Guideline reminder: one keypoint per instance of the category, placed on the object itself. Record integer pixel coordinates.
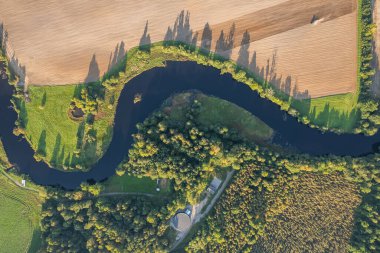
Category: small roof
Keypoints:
(215, 183)
(182, 221)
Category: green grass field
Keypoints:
(221, 112)
(19, 218)
(54, 134)
(338, 111)
(216, 111)
(128, 183)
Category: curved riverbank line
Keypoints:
(155, 86)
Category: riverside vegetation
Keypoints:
(357, 112)
(267, 205)
(270, 189)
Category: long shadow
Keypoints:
(54, 159)
(225, 43)
(23, 115)
(243, 57)
(117, 56)
(181, 30)
(43, 100)
(16, 67)
(145, 42)
(206, 38)
(80, 135)
(93, 74)
(41, 148)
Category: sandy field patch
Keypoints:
(57, 41)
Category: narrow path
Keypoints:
(200, 216)
(16, 182)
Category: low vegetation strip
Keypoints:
(367, 104)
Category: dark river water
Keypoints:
(156, 85)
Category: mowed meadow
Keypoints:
(55, 136)
(19, 218)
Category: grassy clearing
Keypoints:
(128, 183)
(54, 135)
(221, 112)
(19, 218)
(338, 111)
(318, 216)
(216, 111)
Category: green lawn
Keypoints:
(128, 183)
(216, 111)
(219, 111)
(338, 111)
(54, 135)
(19, 218)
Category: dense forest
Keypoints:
(83, 222)
(271, 191)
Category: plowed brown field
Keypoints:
(56, 40)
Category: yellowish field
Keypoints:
(73, 41)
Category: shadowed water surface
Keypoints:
(156, 85)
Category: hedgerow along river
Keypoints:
(156, 85)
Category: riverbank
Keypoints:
(45, 123)
(330, 112)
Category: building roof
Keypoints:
(182, 222)
(215, 183)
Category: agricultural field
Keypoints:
(19, 218)
(281, 45)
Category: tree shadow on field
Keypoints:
(145, 42)
(41, 148)
(117, 56)
(57, 146)
(17, 69)
(206, 38)
(93, 74)
(181, 30)
(23, 115)
(243, 58)
(43, 100)
(267, 74)
(225, 43)
(80, 135)
(87, 154)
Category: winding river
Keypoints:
(156, 85)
